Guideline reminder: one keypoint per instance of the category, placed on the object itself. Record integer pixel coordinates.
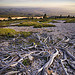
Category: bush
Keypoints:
(38, 26)
(25, 34)
(54, 22)
(70, 21)
(35, 24)
(44, 25)
(26, 62)
(10, 33)
(28, 24)
(7, 32)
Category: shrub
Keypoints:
(54, 22)
(26, 62)
(70, 21)
(25, 34)
(28, 23)
(10, 33)
(44, 25)
(7, 32)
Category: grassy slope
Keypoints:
(68, 20)
(33, 22)
(6, 32)
(25, 23)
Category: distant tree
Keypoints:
(45, 16)
(60, 16)
(68, 16)
(36, 17)
(28, 17)
(73, 17)
(9, 18)
(32, 17)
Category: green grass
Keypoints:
(33, 22)
(25, 34)
(7, 32)
(59, 39)
(68, 20)
(70, 44)
(46, 21)
(30, 22)
(54, 22)
(10, 33)
(26, 62)
(7, 23)
(31, 40)
(44, 25)
(4, 23)
(50, 31)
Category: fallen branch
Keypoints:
(70, 64)
(15, 63)
(64, 67)
(62, 60)
(68, 53)
(12, 72)
(49, 62)
(6, 58)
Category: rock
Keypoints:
(54, 73)
(20, 74)
(67, 40)
(30, 57)
(13, 39)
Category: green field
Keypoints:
(68, 20)
(33, 23)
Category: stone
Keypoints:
(30, 57)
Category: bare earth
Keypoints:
(61, 30)
(52, 52)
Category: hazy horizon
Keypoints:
(38, 3)
(65, 6)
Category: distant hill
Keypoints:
(5, 12)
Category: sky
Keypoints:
(38, 3)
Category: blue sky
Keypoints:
(39, 3)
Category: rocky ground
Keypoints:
(50, 50)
